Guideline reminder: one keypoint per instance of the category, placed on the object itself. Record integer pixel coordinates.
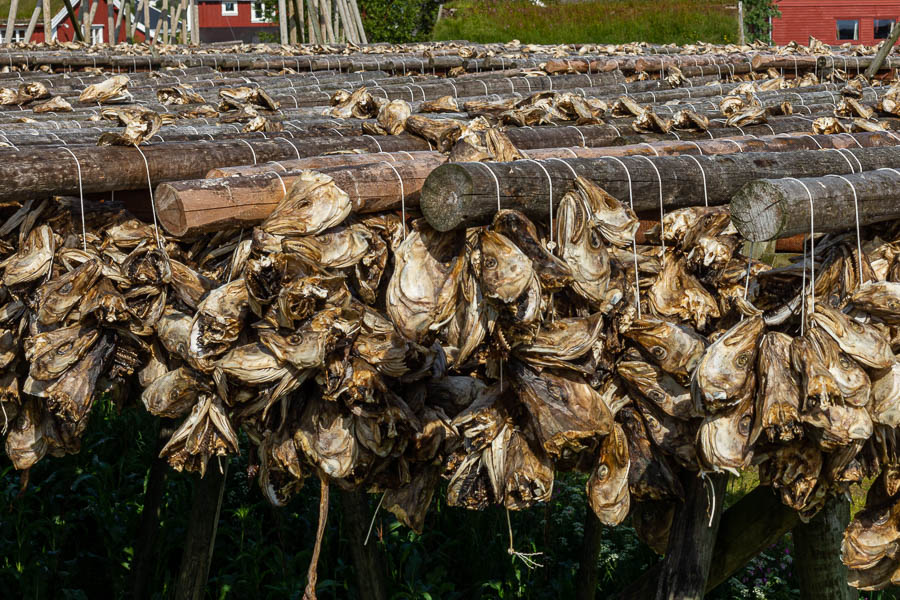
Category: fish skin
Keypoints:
(863, 342)
(607, 486)
(725, 375)
(778, 391)
(676, 349)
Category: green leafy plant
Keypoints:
(757, 15)
(398, 21)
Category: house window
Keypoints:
(229, 9)
(18, 35)
(96, 34)
(883, 28)
(258, 12)
(848, 29)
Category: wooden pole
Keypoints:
(741, 22)
(367, 558)
(817, 557)
(195, 23)
(751, 525)
(316, 29)
(33, 22)
(48, 16)
(86, 21)
(326, 15)
(588, 570)
(110, 24)
(11, 22)
(159, 21)
(200, 538)
(883, 51)
(90, 22)
(293, 24)
(145, 552)
(134, 18)
(147, 21)
(72, 17)
(769, 209)
(466, 194)
(690, 550)
(184, 7)
(301, 29)
(359, 23)
(282, 21)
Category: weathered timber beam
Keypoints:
(769, 209)
(467, 194)
(40, 171)
(189, 207)
(751, 525)
(685, 568)
(817, 557)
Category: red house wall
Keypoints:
(211, 16)
(66, 33)
(818, 18)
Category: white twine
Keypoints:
(552, 244)
(80, 200)
(496, 182)
(376, 142)
(637, 282)
(812, 250)
(253, 152)
(702, 172)
(662, 213)
(152, 201)
(402, 195)
(856, 211)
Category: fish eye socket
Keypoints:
(845, 362)
(490, 262)
(66, 287)
(64, 348)
(742, 360)
(596, 242)
(295, 338)
(659, 352)
(602, 472)
(744, 426)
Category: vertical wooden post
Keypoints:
(282, 21)
(326, 16)
(86, 20)
(76, 28)
(367, 559)
(91, 17)
(314, 25)
(741, 22)
(145, 544)
(147, 21)
(183, 8)
(359, 23)
(133, 18)
(291, 22)
(11, 22)
(586, 578)
(885, 49)
(159, 22)
(33, 22)
(692, 538)
(297, 12)
(200, 538)
(817, 556)
(110, 24)
(195, 23)
(48, 16)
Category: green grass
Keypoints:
(603, 21)
(24, 10)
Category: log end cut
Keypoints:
(169, 210)
(443, 197)
(758, 210)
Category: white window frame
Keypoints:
(97, 34)
(855, 29)
(259, 17)
(18, 35)
(229, 13)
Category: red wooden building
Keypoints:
(835, 22)
(220, 20)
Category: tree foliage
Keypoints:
(756, 18)
(398, 21)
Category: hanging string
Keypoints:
(662, 213)
(812, 250)
(402, 196)
(856, 211)
(637, 279)
(853, 156)
(80, 200)
(525, 557)
(496, 182)
(552, 244)
(252, 151)
(152, 201)
(703, 173)
(710, 496)
(372, 522)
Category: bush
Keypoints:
(398, 21)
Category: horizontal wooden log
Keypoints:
(186, 208)
(769, 209)
(468, 194)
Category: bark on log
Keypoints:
(200, 538)
(754, 523)
(367, 558)
(588, 571)
(188, 207)
(467, 194)
(685, 568)
(769, 209)
(817, 546)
